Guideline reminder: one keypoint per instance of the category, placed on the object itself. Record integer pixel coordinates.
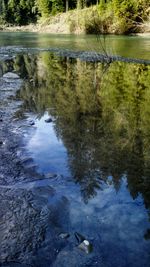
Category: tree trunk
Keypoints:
(79, 4)
(67, 5)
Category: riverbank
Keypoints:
(85, 21)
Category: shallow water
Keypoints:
(127, 46)
(98, 145)
(47, 149)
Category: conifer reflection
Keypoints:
(101, 115)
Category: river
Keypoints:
(127, 46)
(89, 137)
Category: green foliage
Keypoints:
(18, 11)
(44, 7)
(130, 13)
(48, 7)
(143, 9)
(126, 11)
(57, 6)
(117, 16)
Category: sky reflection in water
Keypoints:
(47, 150)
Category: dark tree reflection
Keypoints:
(101, 114)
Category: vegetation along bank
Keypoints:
(76, 16)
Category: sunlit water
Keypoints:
(98, 145)
(127, 46)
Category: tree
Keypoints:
(67, 5)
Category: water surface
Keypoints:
(98, 145)
(127, 46)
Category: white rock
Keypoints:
(86, 246)
(86, 242)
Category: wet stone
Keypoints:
(64, 235)
(31, 123)
(48, 120)
(50, 175)
(80, 238)
(86, 246)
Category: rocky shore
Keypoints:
(34, 222)
(89, 56)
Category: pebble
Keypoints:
(48, 120)
(31, 123)
(64, 235)
(50, 175)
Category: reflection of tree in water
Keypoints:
(102, 118)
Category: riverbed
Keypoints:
(74, 149)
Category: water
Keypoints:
(48, 150)
(127, 46)
(98, 145)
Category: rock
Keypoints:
(11, 75)
(1, 143)
(80, 238)
(50, 175)
(26, 161)
(86, 246)
(48, 120)
(31, 123)
(64, 235)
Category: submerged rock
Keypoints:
(86, 246)
(48, 120)
(64, 235)
(50, 175)
(31, 123)
(80, 238)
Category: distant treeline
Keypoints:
(22, 12)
